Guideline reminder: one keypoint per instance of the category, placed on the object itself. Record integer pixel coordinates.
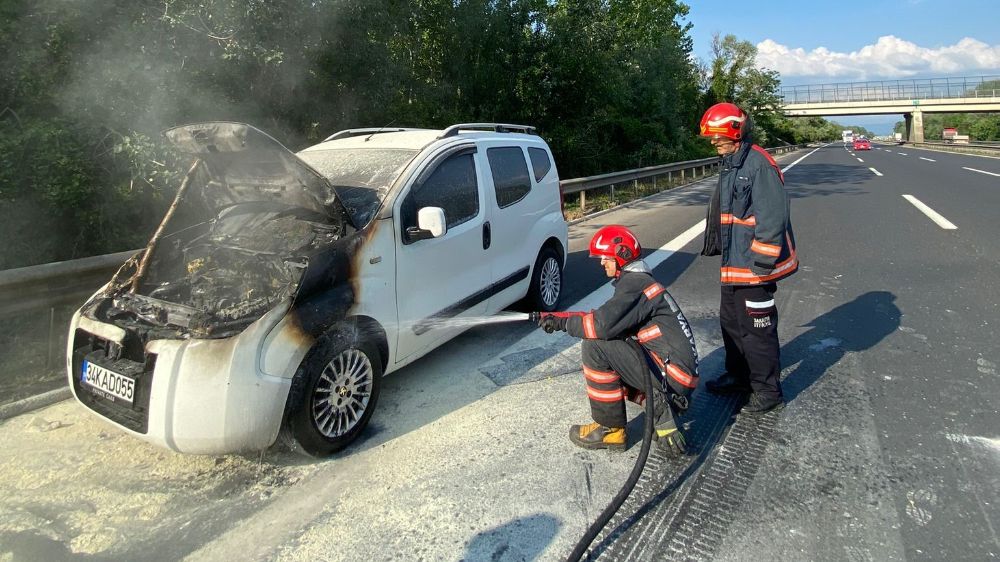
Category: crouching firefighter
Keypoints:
(639, 332)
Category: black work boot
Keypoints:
(596, 436)
(759, 405)
(728, 383)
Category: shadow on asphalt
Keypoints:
(852, 327)
(828, 179)
(521, 539)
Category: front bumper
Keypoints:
(201, 396)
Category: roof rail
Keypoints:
(498, 127)
(369, 131)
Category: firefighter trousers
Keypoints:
(614, 370)
(749, 322)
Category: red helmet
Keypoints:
(615, 241)
(723, 120)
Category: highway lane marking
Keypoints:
(860, 160)
(981, 171)
(887, 150)
(931, 213)
(789, 167)
(876, 172)
(902, 154)
(928, 159)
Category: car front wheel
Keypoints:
(546, 282)
(333, 394)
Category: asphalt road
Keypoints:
(889, 448)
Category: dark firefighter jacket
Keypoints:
(748, 220)
(643, 308)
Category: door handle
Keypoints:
(486, 235)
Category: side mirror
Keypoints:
(431, 223)
(432, 219)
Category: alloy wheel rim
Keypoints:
(342, 393)
(550, 282)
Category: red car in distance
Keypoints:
(862, 144)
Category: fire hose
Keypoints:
(647, 437)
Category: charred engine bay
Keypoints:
(217, 277)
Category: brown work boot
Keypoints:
(596, 436)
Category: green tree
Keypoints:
(735, 77)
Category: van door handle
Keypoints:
(486, 235)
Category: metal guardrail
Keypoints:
(984, 149)
(891, 90)
(54, 284)
(683, 170)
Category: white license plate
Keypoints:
(110, 385)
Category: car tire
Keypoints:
(333, 394)
(546, 282)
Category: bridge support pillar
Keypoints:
(914, 126)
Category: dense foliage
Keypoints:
(979, 126)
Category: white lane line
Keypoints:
(789, 167)
(928, 159)
(860, 160)
(931, 213)
(902, 154)
(887, 150)
(876, 172)
(981, 171)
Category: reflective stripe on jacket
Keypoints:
(642, 308)
(750, 217)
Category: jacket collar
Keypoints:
(736, 159)
(637, 266)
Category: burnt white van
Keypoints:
(283, 286)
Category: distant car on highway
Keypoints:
(288, 284)
(862, 144)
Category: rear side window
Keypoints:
(452, 186)
(510, 174)
(540, 163)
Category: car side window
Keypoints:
(451, 186)
(510, 174)
(540, 163)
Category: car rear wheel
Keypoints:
(333, 394)
(546, 282)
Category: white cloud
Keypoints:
(889, 57)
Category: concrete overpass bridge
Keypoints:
(910, 98)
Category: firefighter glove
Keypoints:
(552, 323)
(671, 441)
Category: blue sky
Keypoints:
(850, 41)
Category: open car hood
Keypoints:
(243, 236)
(244, 164)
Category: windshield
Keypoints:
(361, 176)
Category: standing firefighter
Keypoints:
(639, 330)
(749, 226)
